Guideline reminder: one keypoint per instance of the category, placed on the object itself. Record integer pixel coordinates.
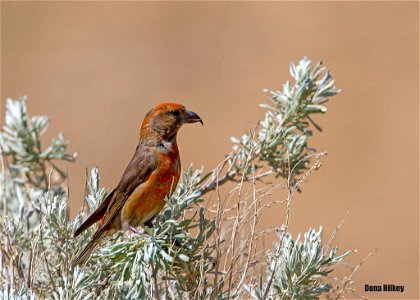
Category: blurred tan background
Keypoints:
(96, 68)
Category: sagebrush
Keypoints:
(205, 244)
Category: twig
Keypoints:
(235, 228)
(337, 228)
(217, 231)
(253, 226)
(50, 275)
(283, 230)
(154, 275)
(348, 279)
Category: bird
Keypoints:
(151, 175)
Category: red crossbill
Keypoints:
(151, 175)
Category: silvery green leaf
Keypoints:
(183, 257)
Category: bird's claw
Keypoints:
(137, 231)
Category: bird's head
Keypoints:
(163, 121)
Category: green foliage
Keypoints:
(20, 140)
(281, 140)
(298, 268)
(187, 253)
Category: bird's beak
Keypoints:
(191, 117)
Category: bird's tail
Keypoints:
(86, 252)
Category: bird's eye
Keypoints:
(175, 113)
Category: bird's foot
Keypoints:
(137, 232)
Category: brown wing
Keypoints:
(138, 171)
(96, 215)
